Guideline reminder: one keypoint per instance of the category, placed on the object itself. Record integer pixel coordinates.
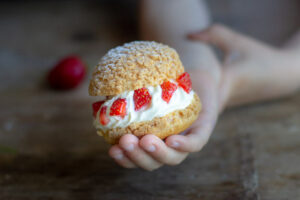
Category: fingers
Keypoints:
(193, 142)
(149, 153)
(223, 37)
(118, 155)
(130, 145)
(160, 151)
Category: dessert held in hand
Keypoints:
(142, 89)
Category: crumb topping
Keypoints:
(134, 65)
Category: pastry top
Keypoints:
(134, 65)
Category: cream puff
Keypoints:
(145, 91)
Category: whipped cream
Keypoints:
(157, 108)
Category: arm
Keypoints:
(277, 73)
(253, 71)
(294, 43)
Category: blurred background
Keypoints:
(49, 148)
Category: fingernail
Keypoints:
(175, 144)
(129, 147)
(151, 148)
(118, 156)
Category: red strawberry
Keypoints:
(96, 106)
(168, 88)
(118, 108)
(141, 98)
(185, 82)
(103, 118)
(67, 74)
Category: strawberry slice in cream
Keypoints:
(152, 102)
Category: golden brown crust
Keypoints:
(134, 65)
(172, 123)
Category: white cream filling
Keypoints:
(157, 108)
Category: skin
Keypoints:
(250, 72)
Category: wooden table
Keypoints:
(49, 149)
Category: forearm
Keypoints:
(169, 21)
(276, 79)
(293, 44)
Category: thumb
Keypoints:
(224, 38)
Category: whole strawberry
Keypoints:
(67, 73)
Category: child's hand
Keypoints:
(150, 152)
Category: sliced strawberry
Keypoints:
(103, 118)
(96, 106)
(118, 108)
(141, 98)
(185, 82)
(168, 88)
